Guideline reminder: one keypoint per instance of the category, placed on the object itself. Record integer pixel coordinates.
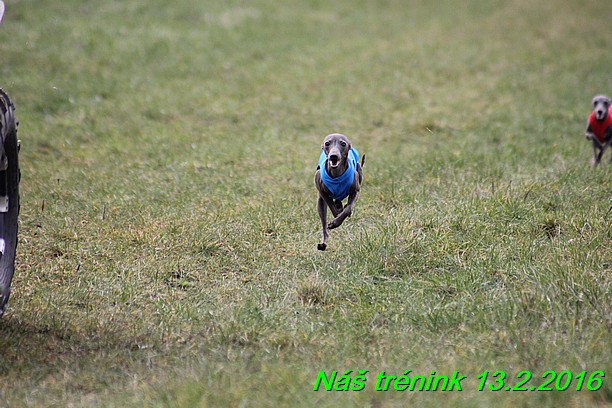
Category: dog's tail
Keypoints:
(362, 160)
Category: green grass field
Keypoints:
(167, 247)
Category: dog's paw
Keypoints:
(333, 224)
(321, 247)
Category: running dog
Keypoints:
(339, 175)
(599, 127)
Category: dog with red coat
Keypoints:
(599, 127)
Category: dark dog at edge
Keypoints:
(339, 175)
(599, 127)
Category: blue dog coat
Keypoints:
(339, 187)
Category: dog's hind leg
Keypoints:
(339, 206)
(347, 211)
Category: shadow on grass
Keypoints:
(24, 345)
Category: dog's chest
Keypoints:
(599, 127)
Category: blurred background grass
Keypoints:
(168, 228)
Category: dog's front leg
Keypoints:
(322, 208)
(601, 152)
(598, 151)
(348, 208)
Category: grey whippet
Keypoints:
(339, 175)
(599, 127)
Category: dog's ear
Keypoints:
(348, 143)
(325, 142)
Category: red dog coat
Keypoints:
(599, 127)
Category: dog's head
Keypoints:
(601, 103)
(336, 146)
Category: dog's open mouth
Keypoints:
(334, 161)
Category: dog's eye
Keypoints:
(343, 144)
(327, 144)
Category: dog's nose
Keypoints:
(334, 158)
